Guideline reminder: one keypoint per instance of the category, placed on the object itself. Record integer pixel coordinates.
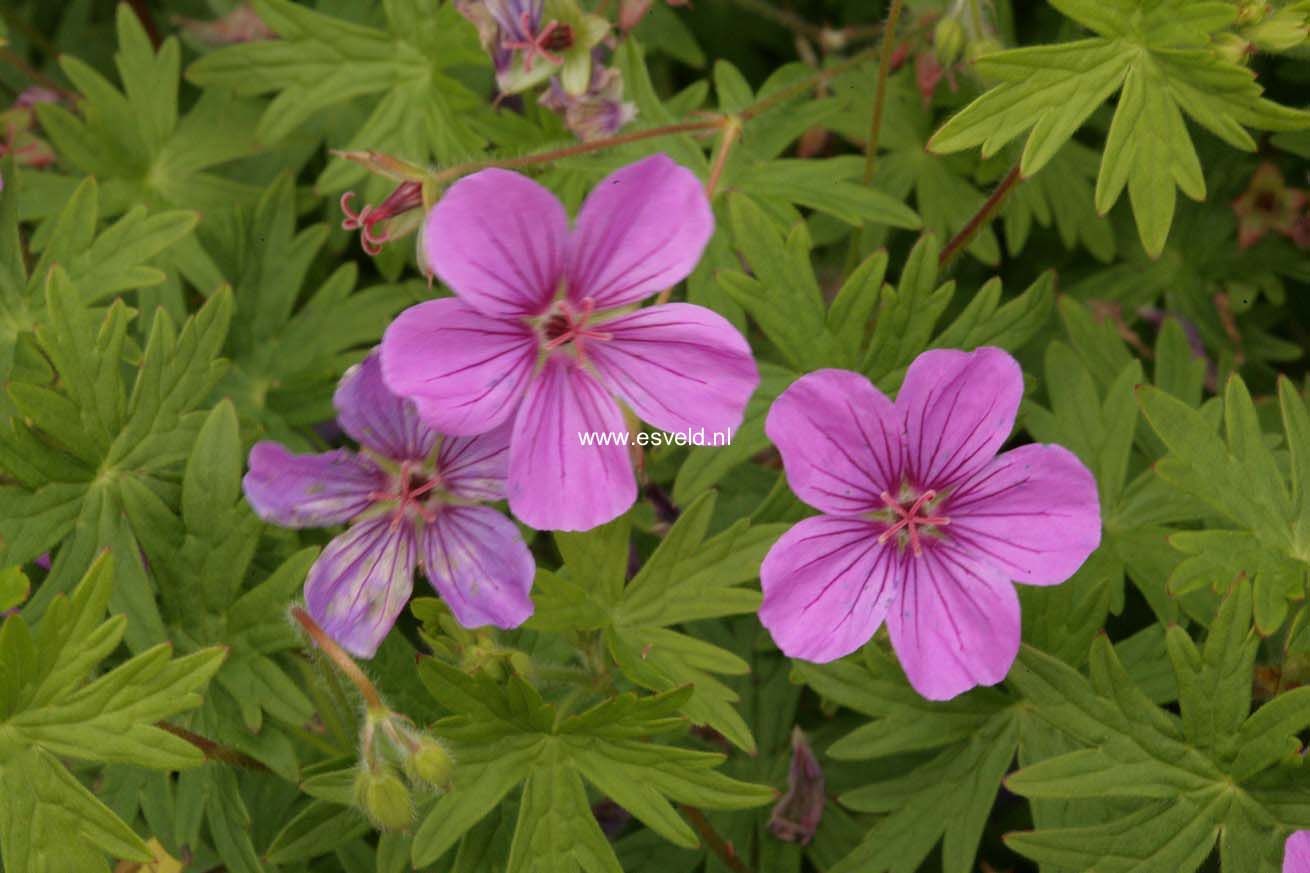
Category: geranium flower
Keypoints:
(411, 499)
(1296, 853)
(543, 332)
(531, 40)
(923, 524)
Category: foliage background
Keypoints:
(174, 285)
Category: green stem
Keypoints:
(880, 92)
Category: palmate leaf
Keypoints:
(134, 139)
(689, 577)
(420, 111)
(504, 736)
(200, 561)
(100, 263)
(966, 746)
(1156, 53)
(84, 438)
(52, 708)
(1218, 772)
(1239, 479)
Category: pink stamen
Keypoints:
(370, 220)
(535, 45)
(575, 329)
(910, 519)
(406, 497)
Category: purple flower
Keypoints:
(544, 332)
(411, 498)
(598, 113)
(923, 524)
(1296, 854)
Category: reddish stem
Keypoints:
(984, 214)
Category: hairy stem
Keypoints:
(713, 841)
(980, 218)
(214, 751)
(451, 173)
(344, 662)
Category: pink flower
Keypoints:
(1296, 857)
(411, 498)
(544, 332)
(923, 524)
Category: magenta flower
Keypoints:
(544, 332)
(923, 523)
(1296, 854)
(411, 498)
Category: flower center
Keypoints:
(554, 37)
(563, 327)
(407, 492)
(909, 517)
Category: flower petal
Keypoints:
(464, 371)
(958, 409)
(479, 564)
(556, 482)
(309, 490)
(1296, 857)
(374, 417)
(678, 366)
(641, 230)
(840, 441)
(499, 240)
(956, 623)
(361, 582)
(1032, 511)
(475, 468)
(827, 585)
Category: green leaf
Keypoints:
(1157, 53)
(51, 708)
(505, 735)
(1210, 772)
(945, 797)
(322, 62)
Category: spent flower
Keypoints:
(597, 113)
(1268, 204)
(544, 333)
(412, 498)
(923, 525)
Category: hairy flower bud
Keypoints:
(431, 763)
(1232, 47)
(1282, 31)
(384, 798)
(948, 39)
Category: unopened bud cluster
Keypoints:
(1266, 27)
(397, 760)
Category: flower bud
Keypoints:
(431, 763)
(948, 40)
(384, 798)
(1231, 47)
(1283, 31)
(985, 45)
(1251, 11)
